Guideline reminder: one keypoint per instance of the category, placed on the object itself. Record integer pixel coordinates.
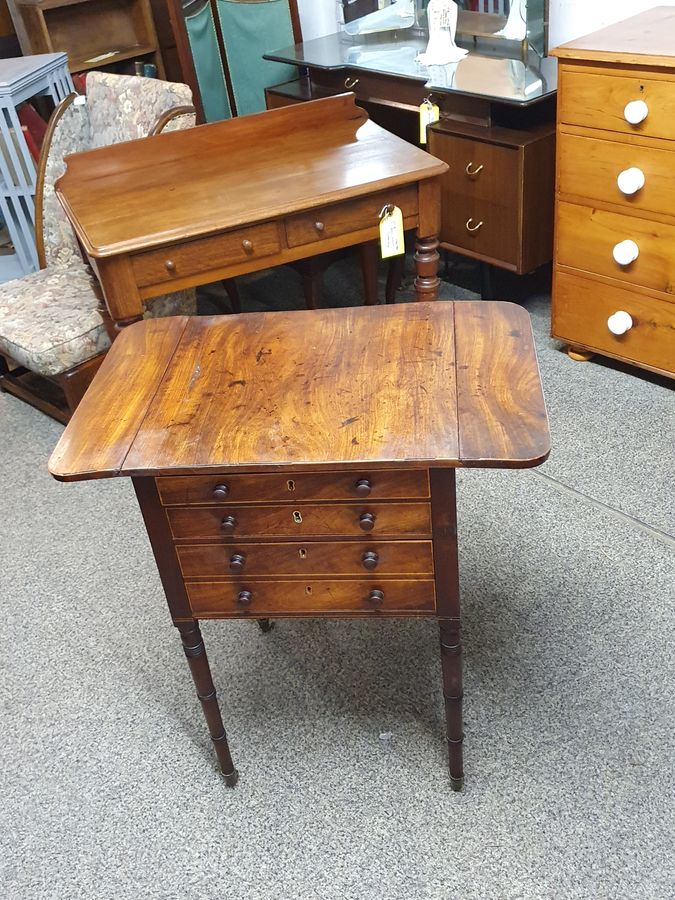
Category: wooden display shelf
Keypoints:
(109, 57)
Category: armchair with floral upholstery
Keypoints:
(53, 334)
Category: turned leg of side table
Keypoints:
(193, 645)
(426, 268)
(451, 661)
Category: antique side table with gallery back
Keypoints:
(203, 204)
(302, 463)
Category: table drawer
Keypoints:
(385, 484)
(342, 218)
(310, 597)
(204, 255)
(478, 169)
(586, 238)
(589, 168)
(311, 558)
(581, 308)
(396, 519)
(598, 101)
(478, 227)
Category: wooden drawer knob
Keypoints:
(320, 227)
(630, 181)
(220, 491)
(376, 598)
(370, 559)
(248, 246)
(635, 112)
(170, 265)
(625, 252)
(237, 562)
(366, 521)
(244, 598)
(363, 487)
(228, 524)
(620, 322)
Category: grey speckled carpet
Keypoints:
(108, 784)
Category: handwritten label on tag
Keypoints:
(392, 242)
(429, 113)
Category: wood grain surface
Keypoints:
(319, 389)
(647, 39)
(215, 177)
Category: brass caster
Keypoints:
(579, 355)
(231, 779)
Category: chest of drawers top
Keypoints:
(351, 390)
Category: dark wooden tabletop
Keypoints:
(437, 384)
(200, 181)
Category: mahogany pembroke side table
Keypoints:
(302, 463)
(199, 205)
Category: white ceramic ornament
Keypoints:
(442, 21)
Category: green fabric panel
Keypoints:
(249, 30)
(208, 66)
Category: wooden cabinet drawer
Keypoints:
(396, 519)
(342, 218)
(581, 308)
(310, 597)
(171, 263)
(384, 484)
(482, 229)
(586, 238)
(308, 559)
(598, 101)
(495, 169)
(589, 168)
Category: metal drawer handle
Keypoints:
(473, 173)
(473, 228)
(351, 82)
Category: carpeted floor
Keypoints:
(109, 787)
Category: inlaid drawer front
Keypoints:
(378, 519)
(613, 320)
(628, 248)
(479, 228)
(389, 484)
(625, 103)
(229, 248)
(634, 176)
(310, 597)
(343, 218)
(477, 168)
(311, 558)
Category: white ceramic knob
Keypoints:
(631, 180)
(625, 252)
(635, 112)
(620, 322)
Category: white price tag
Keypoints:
(392, 241)
(429, 114)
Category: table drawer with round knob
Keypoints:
(339, 520)
(628, 248)
(383, 484)
(260, 599)
(613, 320)
(625, 103)
(410, 558)
(343, 218)
(203, 255)
(631, 175)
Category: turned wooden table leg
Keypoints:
(451, 662)
(426, 268)
(193, 645)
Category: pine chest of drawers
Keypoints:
(302, 464)
(614, 261)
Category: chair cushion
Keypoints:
(49, 320)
